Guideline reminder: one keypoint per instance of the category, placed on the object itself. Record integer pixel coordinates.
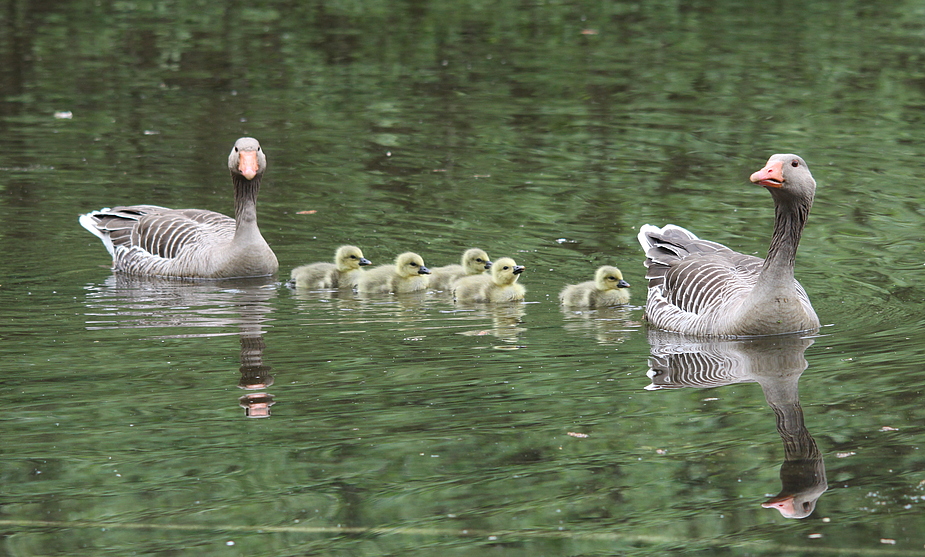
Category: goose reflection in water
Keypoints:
(776, 364)
(128, 302)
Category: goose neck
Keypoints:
(245, 199)
(789, 219)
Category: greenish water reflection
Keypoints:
(548, 132)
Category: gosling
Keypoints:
(344, 273)
(607, 289)
(408, 274)
(474, 262)
(500, 286)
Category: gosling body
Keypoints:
(407, 274)
(343, 274)
(474, 262)
(606, 290)
(500, 286)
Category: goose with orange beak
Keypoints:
(149, 240)
(703, 288)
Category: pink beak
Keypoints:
(772, 175)
(247, 164)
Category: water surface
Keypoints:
(243, 417)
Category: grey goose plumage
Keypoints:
(149, 240)
(701, 287)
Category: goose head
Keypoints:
(247, 159)
(475, 261)
(505, 271)
(410, 264)
(786, 176)
(609, 278)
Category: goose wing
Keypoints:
(689, 277)
(158, 231)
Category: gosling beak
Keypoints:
(772, 175)
(247, 164)
(364, 261)
(422, 270)
(518, 269)
(488, 264)
(623, 284)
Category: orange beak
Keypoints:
(772, 175)
(783, 504)
(247, 164)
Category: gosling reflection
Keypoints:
(776, 364)
(612, 325)
(125, 302)
(505, 319)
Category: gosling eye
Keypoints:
(794, 163)
(478, 260)
(611, 278)
(353, 257)
(413, 264)
(505, 268)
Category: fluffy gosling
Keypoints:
(344, 273)
(408, 274)
(607, 289)
(474, 262)
(500, 286)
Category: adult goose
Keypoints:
(704, 288)
(192, 243)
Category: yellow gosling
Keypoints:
(474, 262)
(408, 274)
(344, 273)
(500, 286)
(607, 289)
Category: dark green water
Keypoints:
(545, 131)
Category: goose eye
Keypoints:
(795, 163)
(258, 149)
(235, 148)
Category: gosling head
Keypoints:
(505, 271)
(475, 261)
(349, 258)
(410, 264)
(609, 278)
(247, 159)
